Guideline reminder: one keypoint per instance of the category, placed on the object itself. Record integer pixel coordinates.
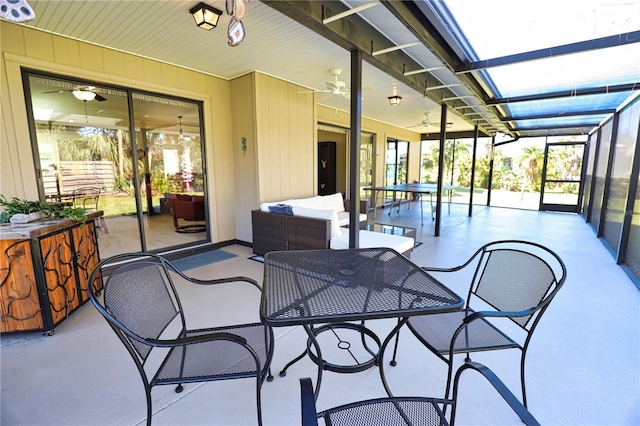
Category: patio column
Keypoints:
(473, 168)
(354, 148)
(443, 138)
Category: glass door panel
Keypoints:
(86, 144)
(366, 164)
(390, 165)
(561, 178)
(81, 139)
(170, 165)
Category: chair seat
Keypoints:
(436, 332)
(388, 411)
(218, 359)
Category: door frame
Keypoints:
(566, 208)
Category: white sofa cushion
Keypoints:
(330, 215)
(343, 218)
(333, 202)
(370, 239)
(265, 206)
(310, 203)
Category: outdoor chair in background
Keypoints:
(189, 208)
(89, 199)
(514, 280)
(141, 304)
(402, 411)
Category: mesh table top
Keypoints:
(323, 286)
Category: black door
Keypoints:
(326, 168)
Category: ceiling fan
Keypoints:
(336, 86)
(83, 93)
(426, 122)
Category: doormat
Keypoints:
(257, 258)
(202, 259)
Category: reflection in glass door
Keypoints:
(82, 139)
(366, 164)
(396, 162)
(170, 165)
(561, 177)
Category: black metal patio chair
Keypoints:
(402, 411)
(514, 280)
(140, 302)
(89, 199)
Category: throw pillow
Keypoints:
(265, 206)
(281, 209)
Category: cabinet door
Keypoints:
(59, 275)
(19, 303)
(86, 249)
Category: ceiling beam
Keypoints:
(586, 127)
(453, 135)
(560, 115)
(566, 94)
(552, 52)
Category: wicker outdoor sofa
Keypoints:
(316, 223)
(275, 231)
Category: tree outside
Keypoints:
(517, 173)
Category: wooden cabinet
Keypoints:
(44, 275)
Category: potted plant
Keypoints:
(18, 210)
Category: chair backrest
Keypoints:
(139, 299)
(516, 276)
(87, 198)
(405, 410)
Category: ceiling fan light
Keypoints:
(84, 95)
(395, 100)
(206, 17)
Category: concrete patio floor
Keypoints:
(583, 365)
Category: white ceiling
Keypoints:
(274, 45)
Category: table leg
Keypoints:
(283, 372)
(374, 194)
(394, 332)
(312, 337)
(431, 203)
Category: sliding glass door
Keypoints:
(81, 138)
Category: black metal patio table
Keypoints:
(335, 288)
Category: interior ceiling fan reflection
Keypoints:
(336, 86)
(83, 93)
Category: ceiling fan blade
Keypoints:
(58, 91)
(100, 98)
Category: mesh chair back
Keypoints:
(512, 279)
(142, 300)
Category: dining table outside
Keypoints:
(329, 290)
